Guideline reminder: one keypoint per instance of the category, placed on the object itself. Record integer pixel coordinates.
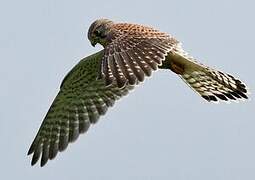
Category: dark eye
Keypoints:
(99, 34)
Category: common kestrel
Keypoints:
(131, 52)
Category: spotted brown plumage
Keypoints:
(131, 53)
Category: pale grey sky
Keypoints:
(162, 130)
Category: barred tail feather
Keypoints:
(211, 84)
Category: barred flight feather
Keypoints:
(141, 48)
(78, 105)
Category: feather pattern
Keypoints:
(81, 101)
(211, 84)
(133, 53)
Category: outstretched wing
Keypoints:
(80, 102)
(134, 53)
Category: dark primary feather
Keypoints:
(81, 101)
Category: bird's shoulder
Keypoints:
(86, 68)
(138, 30)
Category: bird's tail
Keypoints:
(209, 83)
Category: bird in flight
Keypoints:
(131, 53)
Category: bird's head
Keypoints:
(99, 32)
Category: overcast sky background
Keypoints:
(162, 130)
